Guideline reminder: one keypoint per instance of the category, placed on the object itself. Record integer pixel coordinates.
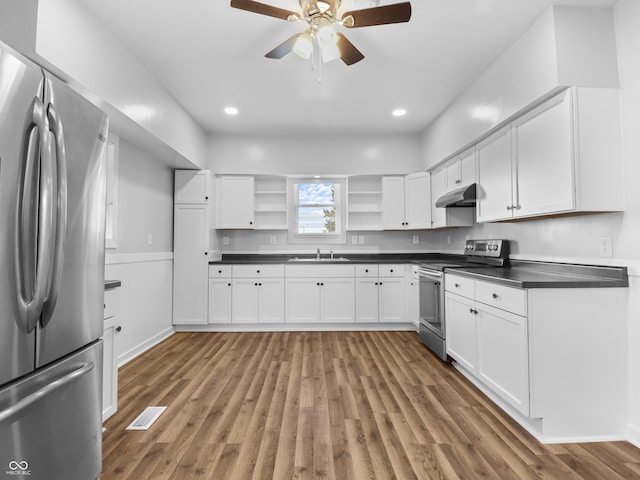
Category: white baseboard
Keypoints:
(298, 327)
(143, 347)
(633, 435)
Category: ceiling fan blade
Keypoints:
(348, 52)
(398, 13)
(263, 9)
(283, 49)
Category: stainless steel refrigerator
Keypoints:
(52, 217)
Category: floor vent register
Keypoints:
(146, 418)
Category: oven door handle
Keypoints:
(433, 275)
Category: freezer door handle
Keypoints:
(7, 416)
(60, 223)
(32, 293)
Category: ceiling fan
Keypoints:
(321, 16)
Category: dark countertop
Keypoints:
(526, 274)
(353, 257)
(520, 273)
(111, 284)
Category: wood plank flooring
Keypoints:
(334, 405)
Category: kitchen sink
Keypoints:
(316, 260)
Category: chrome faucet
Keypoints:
(331, 251)
(318, 254)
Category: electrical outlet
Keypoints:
(225, 240)
(361, 239)
(606, 247)
(149, 239)
(354, 239)
(448, 239)
(416, 239)
(273, 240)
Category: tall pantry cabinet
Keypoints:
(191, 219)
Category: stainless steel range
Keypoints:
(478, 253)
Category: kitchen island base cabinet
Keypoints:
(550, 357)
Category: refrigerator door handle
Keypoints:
(32, 294)
(61, 214)
(7, 416)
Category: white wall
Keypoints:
(145, 205)
(314, 154)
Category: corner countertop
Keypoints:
(111, 284)
(354, 258)
(529, 274)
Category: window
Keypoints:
(111, 231)
(317, 213)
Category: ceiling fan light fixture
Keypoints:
(303, 46)
(323, 6)
(327, 36)
(330, 53)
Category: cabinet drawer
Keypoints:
(320, 271)
(391, 270)
(258, 271)
(367, 271)
(459, 285)
(219, 271)
(505, 298)
(111, 303)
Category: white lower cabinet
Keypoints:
(490, 343)
(111, 331)
(327, 300)
(380, 293)
(220, 300)
(258, 300)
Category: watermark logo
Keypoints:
(18, 468)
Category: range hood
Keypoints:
(463, 197)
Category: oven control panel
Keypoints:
(487, 248)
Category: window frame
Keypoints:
(340, 237)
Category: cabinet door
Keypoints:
(109, 371)
(302, 299)
(367, 300)
(245, 302)
(438, 215)
(503, 355)
(460, 327)
(452, 174)
(271, 300)
(191, 186)
(220, 300)
(418, 201)
(337, 300)
(545, 159)
(494, 175)
(235, 202)
(391, 303)
(190, 264)
(393, 203)
(467, 165)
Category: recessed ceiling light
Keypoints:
(399, 112)
(231, 111)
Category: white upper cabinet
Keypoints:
(235, 202)
(564, 156)
(406, 202)
(493, 191)
(192, 186)
(446, 217)
(460, 171)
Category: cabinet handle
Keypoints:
(495, 295)
(366, 271)
(219, 271)
(391, 270)
(257, 271)
(318, 284)
(517, 207)
(259, 284)
(206, 198)
(206, 253)
(250, 223)
(510, 207)
(118, 329)
(228, 284)
(457, 285)
(471, 310)
(255, 284)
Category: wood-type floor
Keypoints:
(336, 405)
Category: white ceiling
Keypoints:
(209, 56)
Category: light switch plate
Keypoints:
(606, 247)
